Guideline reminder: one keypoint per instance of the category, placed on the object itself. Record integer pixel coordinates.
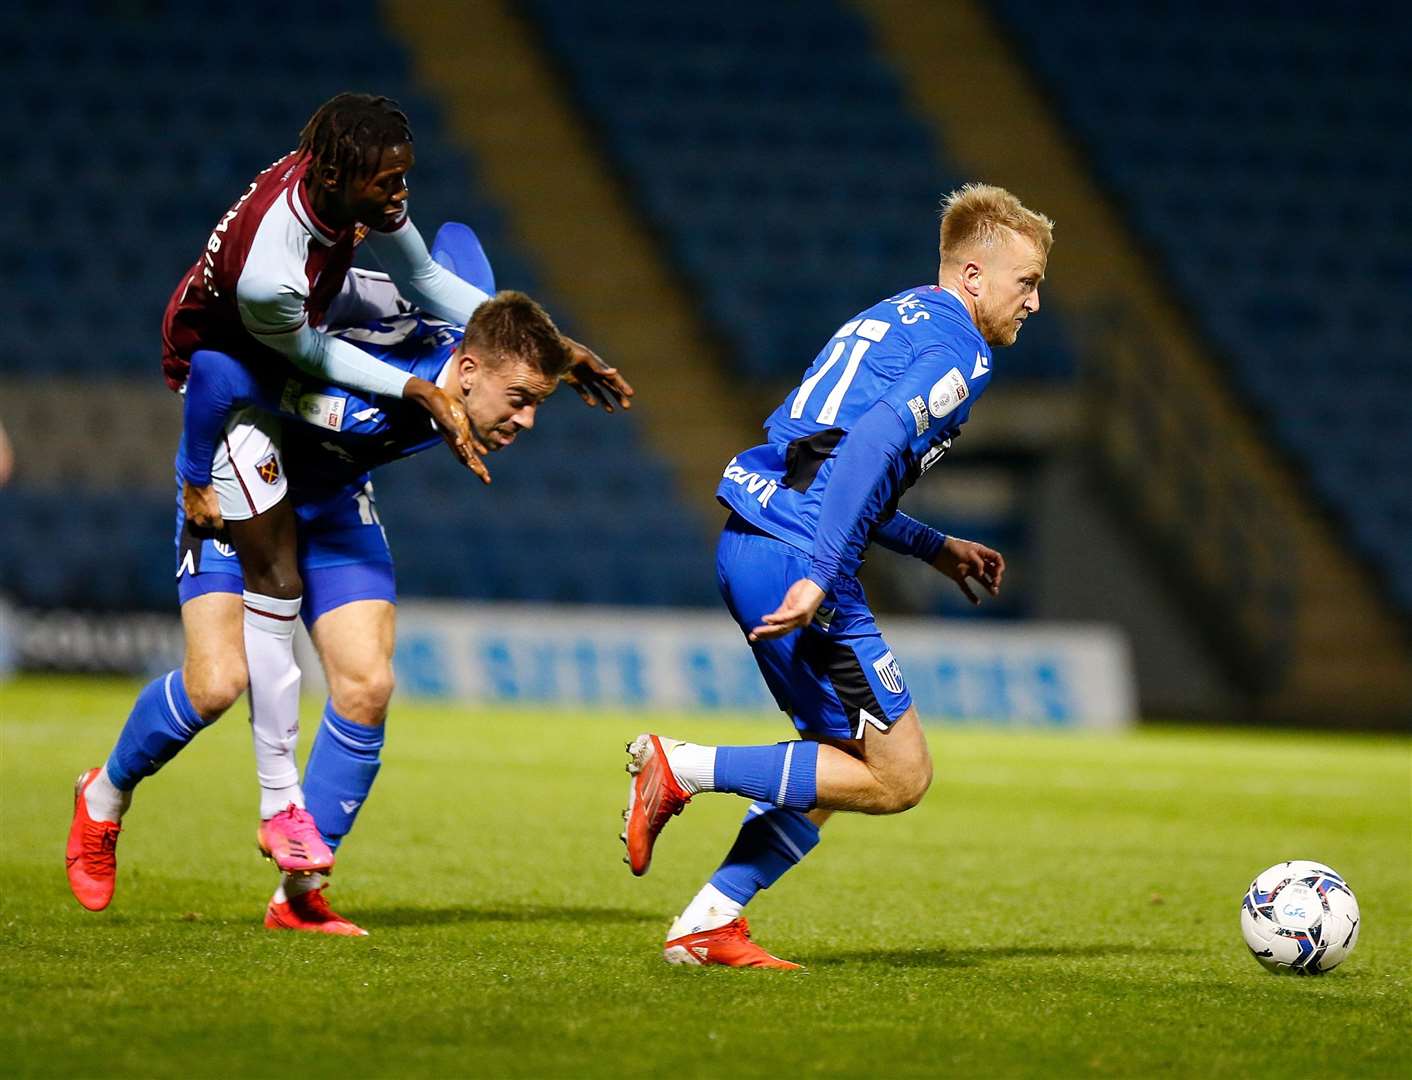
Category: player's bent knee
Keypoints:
(214, 688)
(905, 788)
(364, 697)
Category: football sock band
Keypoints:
(292, 885)
(340, 773)
(772, 839)
(694, 766)
(105, 801)
(710, 909)
(162, 721)
(274, 698)
(783, 774)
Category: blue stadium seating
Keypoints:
(1264, 154)
(774, 149)
(142, 122)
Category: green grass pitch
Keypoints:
(1058, 905)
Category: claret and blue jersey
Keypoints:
(343, 433)
(332, 439)
(903, 375)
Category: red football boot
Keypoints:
(653, 796)
(91, 855)
(292, 841)
(310, 913)
(729, 946)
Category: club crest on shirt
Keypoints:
(889, 673)
(267, 469)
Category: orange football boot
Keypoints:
(310, 913)
(653, 796)
(91, 855)
(729, 946)
(292, 841)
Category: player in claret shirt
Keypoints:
(877, 408)
(274, 276)
(508, 361)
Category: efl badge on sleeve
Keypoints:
(268, 468)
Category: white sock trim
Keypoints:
(104, 800)
(274, 799)
(709, 910)
(694, 766)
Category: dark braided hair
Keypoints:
(350, 132)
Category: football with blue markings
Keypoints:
(1300, 918)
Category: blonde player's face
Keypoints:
(1010, 279)
(502, 400)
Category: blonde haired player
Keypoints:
(877, 408)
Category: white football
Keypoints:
(1300, 918)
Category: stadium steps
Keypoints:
(1313, 636)
(505, 103)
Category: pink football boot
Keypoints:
(292, 840)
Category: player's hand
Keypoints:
(963, 559)
(450, 416)
(796, 611)
(596, 382)
(201, 506)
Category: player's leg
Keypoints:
(169, 712)
(839, 682)
(835, 678)
(355, 644)
(351, 615)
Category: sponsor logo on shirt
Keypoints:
(947, 393)
(920, 415)
(752, 482)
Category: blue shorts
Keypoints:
(343, 554)
(837, 674)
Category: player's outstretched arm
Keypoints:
(420, 278)
(908, 536)
(961, 560)
(596, 382)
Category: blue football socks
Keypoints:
(772, 839)
(340, 773)
(783, 774)
(162, 721)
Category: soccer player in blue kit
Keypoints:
(511, 358)
(878, 407)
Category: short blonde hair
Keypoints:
(979, 215)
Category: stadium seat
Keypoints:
(1262, 194)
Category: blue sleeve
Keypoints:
(867, 467)
(908, 536)
(216, 385)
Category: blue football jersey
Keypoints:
(345, 434)
(920, 355)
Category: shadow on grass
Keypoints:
(928, 958)
(519, 913)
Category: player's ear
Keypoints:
(971, 275)
(327, 178)
(466, 366)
